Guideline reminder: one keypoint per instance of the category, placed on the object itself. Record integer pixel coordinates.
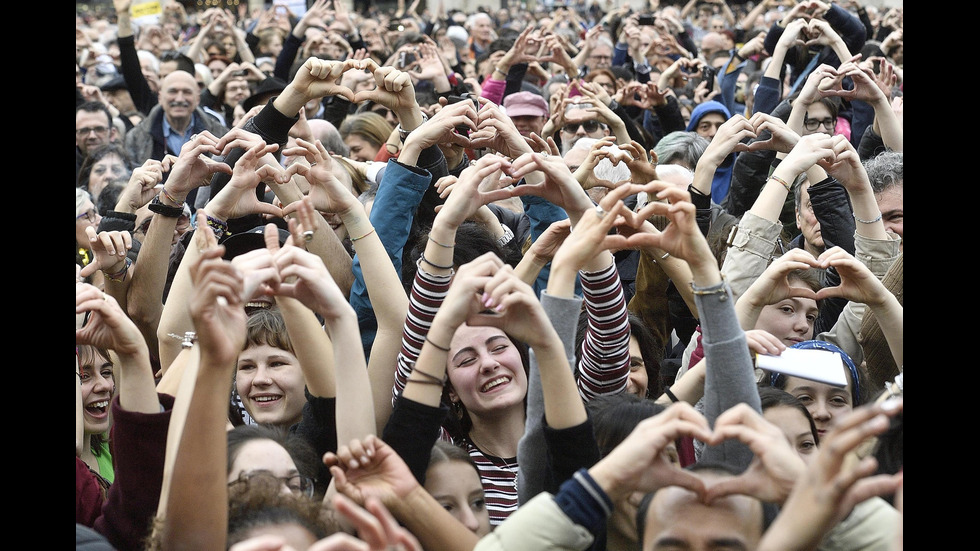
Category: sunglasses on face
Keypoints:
(588, 126)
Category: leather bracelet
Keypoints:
(157, 206)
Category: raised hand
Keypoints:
(141, 188)
(194, 167)
(638, 463)
(558, 187)
(833, 482)
(305, 278)
(585, 174)
(110, 248)
(449, 126)
(477, 185)
(497, 132)
(327, 193)
(775, 465)
(858, 283)
(773, 285)
(781, 137)
(369, 468)
(216, 306)
(108, 326)
(238, 197)
(394, 88)
(321, 77)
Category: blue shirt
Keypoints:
(175, 140)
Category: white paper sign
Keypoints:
(822, 366)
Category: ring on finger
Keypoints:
(308, 236)
(599, 212)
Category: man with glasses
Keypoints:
(821, 116)
(580, 123)
(93, 127)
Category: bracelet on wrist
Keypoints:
(121, 275)
(719, 289)
(219, 227)
(784, 183)
(429, 262)
(878, 219)
(403, 134)
(157, 206)
(168, 197)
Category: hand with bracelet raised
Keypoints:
(110, 249)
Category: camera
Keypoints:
(709, 77)
(406, 59)
(646, 21)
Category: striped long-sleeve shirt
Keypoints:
(604, 367)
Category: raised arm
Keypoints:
(306, 279)
(859, 284)
(197, 499)
(192, 169)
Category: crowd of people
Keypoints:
(548, 276)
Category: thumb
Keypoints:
(89, 268)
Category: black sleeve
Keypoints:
(318, 427)
(143, 97)
(412, 430)
(670, 116)
(286, 57)
(515, 76)
(832, 208)
(569, 449)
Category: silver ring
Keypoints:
(308, 236)
(313, 164)
(105, 297)
(599, 212)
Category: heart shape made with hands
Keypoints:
(812, 32)
(388, 81)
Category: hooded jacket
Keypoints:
(723, 174)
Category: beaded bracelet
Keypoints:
(219, 227)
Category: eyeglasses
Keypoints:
(589, 126)
(91, 215)
(298, 484)
(601, 57)
(84, 132)
(812, 124)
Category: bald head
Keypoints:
(676, 517)
(179, 95)
(711, 43)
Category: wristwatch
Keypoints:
(403, 134)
